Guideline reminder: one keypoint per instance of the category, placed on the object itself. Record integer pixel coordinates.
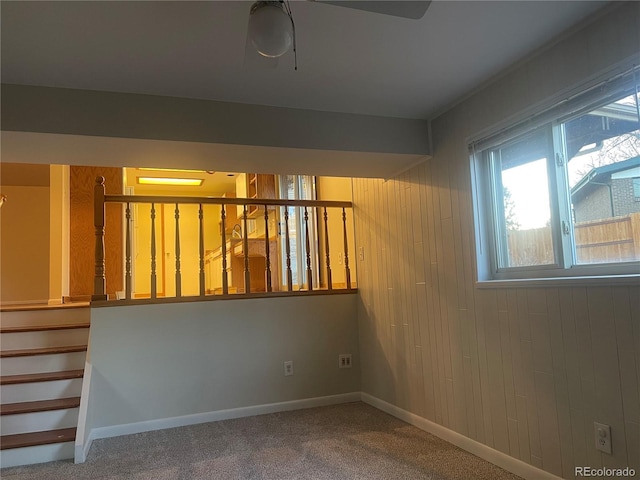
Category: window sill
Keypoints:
(585, 281)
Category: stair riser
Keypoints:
(38, 421)
(32, 392)
(46, 317)
(38, 454)
(44, 338)
(42, 363)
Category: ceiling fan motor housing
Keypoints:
(270, 28)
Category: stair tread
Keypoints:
(38, 328)
(42, 351)
(40, 377)
(39, 406)
(37, 438)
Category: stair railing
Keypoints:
(230, 250)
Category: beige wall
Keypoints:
(24, 242)
(337, 188)
(180, 359)
(165, 246)
(59, 232)
(525, 371)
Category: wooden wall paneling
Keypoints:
(414, 321)
(485, 388)
(518, 378)
(560, 381)
(608, 397)
(623, 316)
(403, 287)
(496, 375)
(574, 384)
(388, 261)
(507, 373)
(548, 417)
(82, 233)
(431, 360)
(434, 209)
(587, 382)
(453, 324)
(626, 358)
(526, 352)
(634, 298)
(401, 351)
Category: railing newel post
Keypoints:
(347, 271)
(326, 246)
(154, 286)
(178, 272)
(225, 277)
(267, 263)
(99, 279)
(127, 276)
(201, 248)
(245, 248)
(288, 249)
(308, 245)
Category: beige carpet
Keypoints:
(350, 441)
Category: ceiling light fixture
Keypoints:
(271, 28)
(183, 182)
(210, 172)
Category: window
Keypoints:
(558, 196)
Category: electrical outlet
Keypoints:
(603, 437)
(361, 253)
(340, 258)
(288, 368)
(344, 360)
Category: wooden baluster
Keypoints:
(267, 269)
(308, 244)
(346, 250)
(245, 248)
(127, 242)
(178, 273)
(225, 277)
(154, 291)
(326, 246)
(288, 248)
(201, 249)
(99, 279)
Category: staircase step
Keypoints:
(42, 351)
(40, 377)
(39, 406)
(50, 316)
(37, 438)
(38, 328)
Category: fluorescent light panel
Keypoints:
(183, 182)
(171, 170)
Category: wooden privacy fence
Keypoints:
(609, 240)
(237, 251)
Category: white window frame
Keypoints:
(487, 213)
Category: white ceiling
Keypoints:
(349, 60)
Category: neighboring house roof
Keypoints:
(601, 174)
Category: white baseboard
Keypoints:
(162, 423)
(500, 459)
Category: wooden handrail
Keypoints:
(275, 202)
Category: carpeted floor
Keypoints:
(349, 441)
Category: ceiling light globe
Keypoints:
(270, 29)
